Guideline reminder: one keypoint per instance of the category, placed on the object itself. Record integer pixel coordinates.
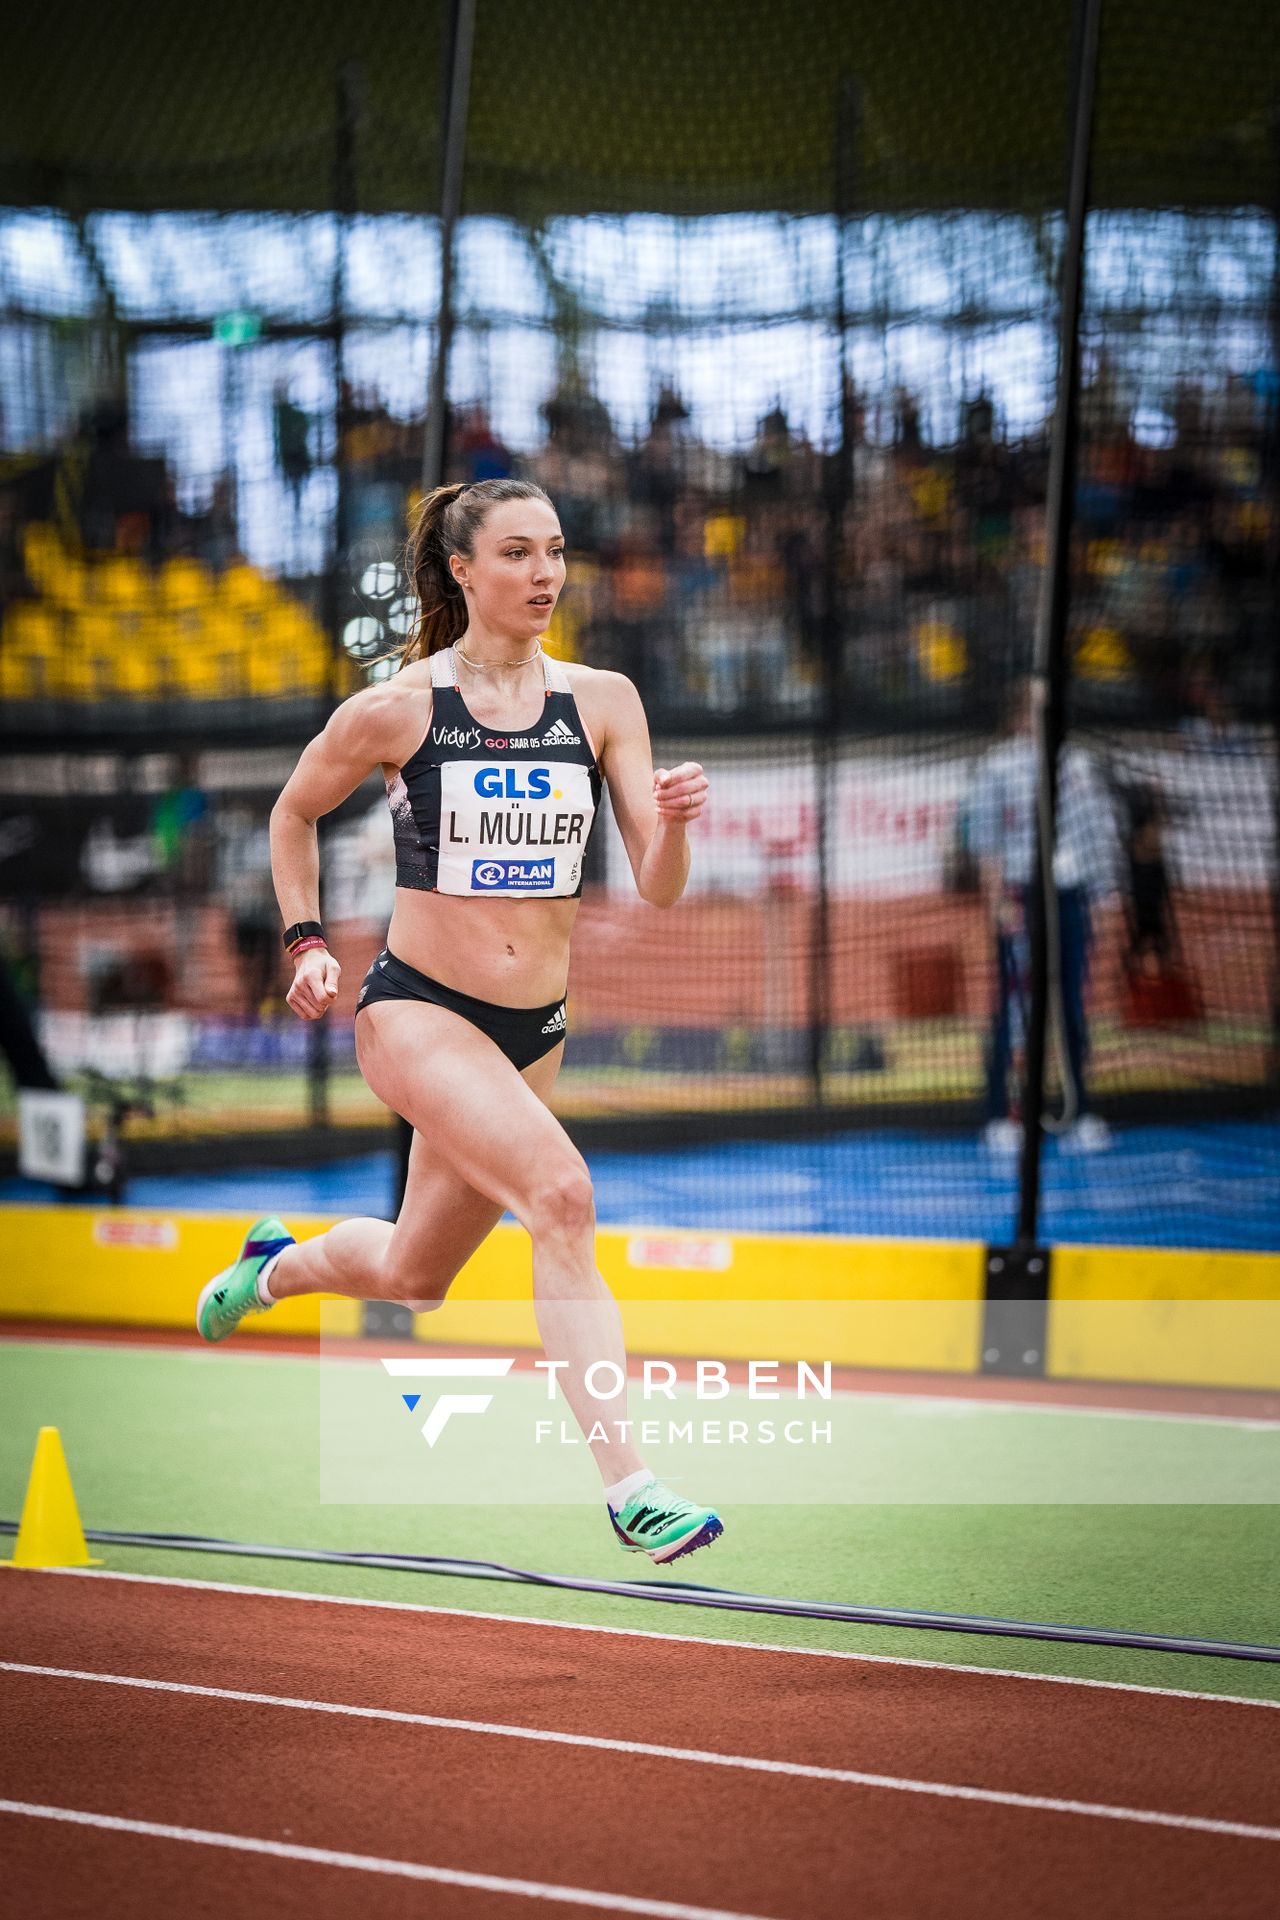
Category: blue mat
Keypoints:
(1211, 1186)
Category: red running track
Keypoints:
(597, 1819)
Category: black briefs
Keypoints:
(524, 1034)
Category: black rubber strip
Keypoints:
(689, 1594)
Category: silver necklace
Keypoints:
(496, 666)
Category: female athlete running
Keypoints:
(493, 757)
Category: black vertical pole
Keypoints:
(1048, 681)
(839, 496)
(344, 205)
(435, 448)
(462, 33)
(1271, 485)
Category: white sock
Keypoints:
(265, 1294)
(621, 1491)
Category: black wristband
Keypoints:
(303, 930)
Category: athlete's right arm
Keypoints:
(365, 731)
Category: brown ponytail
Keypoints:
(447, 522)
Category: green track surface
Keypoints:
(225, 1443)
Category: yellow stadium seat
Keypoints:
(118, 581)
(130, 631)
(244, 587)
(134, 675)
(195, 675)
(310, 674)
(166, 665)
(942, 652)
(930, 490)
(59, 574)
(294, 616)
(93, 633)
(1105, 559)
(83, 675)
(186, 630)
(230, 675)
(71, 587)
(32, 627)
(345, 676)
(1252, 519)
(299, 645)
(140, 644)
(185, 583)
(42, 553)
(227, 651)
(24, 676)
(270, 673)
(315, 671)
(722, 535)
(1103, 655)
(255, 626)
(561, 637)
(226, 637)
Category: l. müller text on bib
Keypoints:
(513, 827)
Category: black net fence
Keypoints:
(794, 405)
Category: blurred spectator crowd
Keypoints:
(715, 577)
(712, 577)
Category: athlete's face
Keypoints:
(515, 576)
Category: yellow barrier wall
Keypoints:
(874, 1303)
(1192, 1319)
(1116, 1313)
(127, 1266)
(855, 1302)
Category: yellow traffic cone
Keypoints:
(49, 1533)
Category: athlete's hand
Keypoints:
(681, 793)
(315, 984)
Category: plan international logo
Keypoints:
(513, 876)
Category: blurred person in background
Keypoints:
(1001, 834)
(657, 467)
(477, 449)
(19, 997)
(242, 861)
(580, 462)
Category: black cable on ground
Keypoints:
(690, 1594)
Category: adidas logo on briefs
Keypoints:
(561, 735)
(556, 1023)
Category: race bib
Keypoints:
(511, 827)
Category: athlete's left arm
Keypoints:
(652, 807)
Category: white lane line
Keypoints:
(948, 1404)
(844, 1776)
(652, 1633)
(370, 1863)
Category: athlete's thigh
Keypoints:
(443, 1219)
(451, 1082)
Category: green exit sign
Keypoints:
(237, 329)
